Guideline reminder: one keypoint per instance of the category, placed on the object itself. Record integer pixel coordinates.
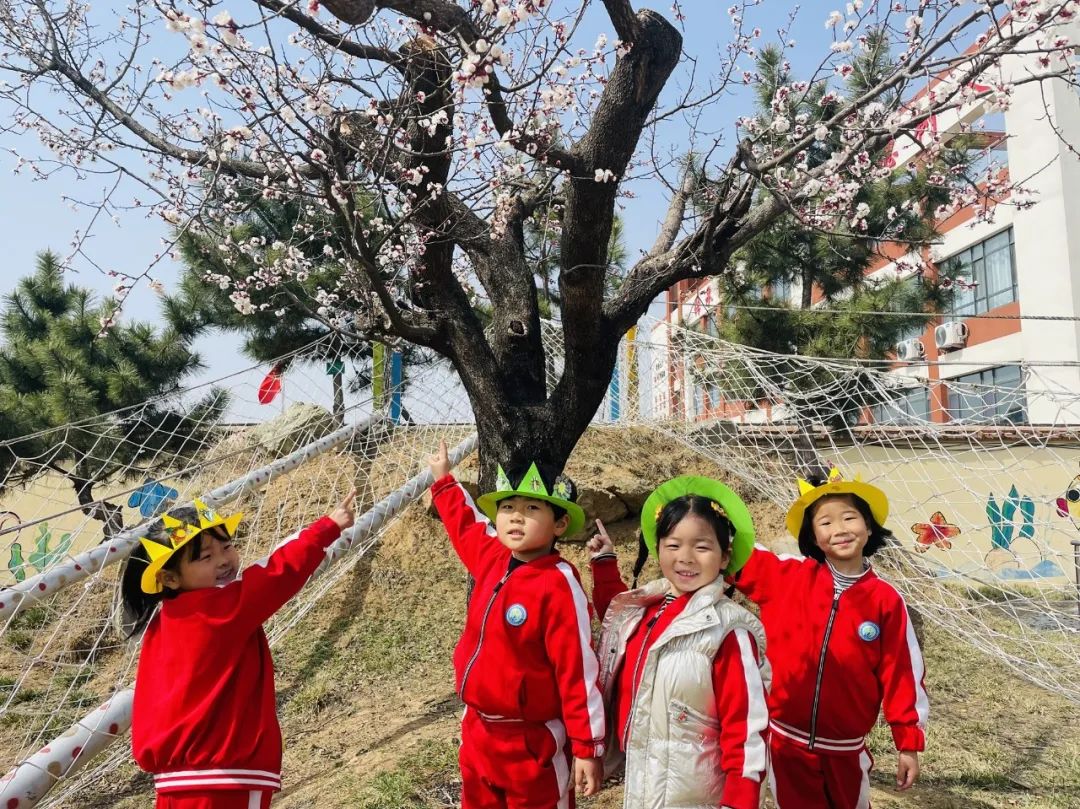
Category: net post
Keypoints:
(1076, 565)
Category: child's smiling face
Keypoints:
(690, 556)
(840, 530)
(217, 564)
(528, 527)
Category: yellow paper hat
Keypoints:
(810, 494)
(180, 534)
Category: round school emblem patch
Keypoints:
(869, 631)
(516, 615)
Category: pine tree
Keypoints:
(832, 262)
(64, 362)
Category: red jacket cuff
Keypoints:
(606, 570)
(445, 482)
(741, 793)
(324, 530)
(587, 749)
(909, 738)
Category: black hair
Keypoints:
(879, 537)
(674, 511)
(139, 606)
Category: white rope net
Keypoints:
(981, 471)
(62, 654)
(994, 566)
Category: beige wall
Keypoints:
(47, 495)
(959, 485)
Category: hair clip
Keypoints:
(719, 509)
(659, 509)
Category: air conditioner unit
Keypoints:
(951, 334)
(910, 350)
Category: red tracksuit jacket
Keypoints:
(729, 679)
(526, 650)
(204, 716)
(836, 661)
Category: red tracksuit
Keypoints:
(836, 661)
(524, 668)
(729, 679)
(204, 720)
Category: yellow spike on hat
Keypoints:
(836, 484)
(181, 533)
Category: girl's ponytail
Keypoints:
(138, 606)
(642, 557)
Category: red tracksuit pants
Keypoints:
(512, 764)
(802, 779)
(216, 799)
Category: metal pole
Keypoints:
(1076, 564)
(29, 781)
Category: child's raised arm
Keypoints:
(604, 565)
(471, 533)
(266, 585)
(763, 574)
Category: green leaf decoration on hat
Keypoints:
(502, 482)
(532, 482)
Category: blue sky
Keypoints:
(34, 215)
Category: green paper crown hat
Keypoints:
(532, 485)
(742, 543)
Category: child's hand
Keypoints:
(588, 775)
(344, 515)
(439, 463)
(600, 543)
(907, 769)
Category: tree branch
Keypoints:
(623, 18)
(290, 12)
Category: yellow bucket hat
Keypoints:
(810, 494)
(180, 534)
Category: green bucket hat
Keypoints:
(742, 543)
(532, 485)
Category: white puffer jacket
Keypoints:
(672, 751)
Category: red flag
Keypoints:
(928, 125)
(270, 387)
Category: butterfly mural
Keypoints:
(152, 498)
(938, 532)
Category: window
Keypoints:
(780, 290)
(908, 407)
(982, 160)
(713, 391)
(991, 266)
(993, 396)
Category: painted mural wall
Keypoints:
(1000, 514)
(29, 551)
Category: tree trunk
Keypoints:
(545, 431)
(109, 514)
(807, 277)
